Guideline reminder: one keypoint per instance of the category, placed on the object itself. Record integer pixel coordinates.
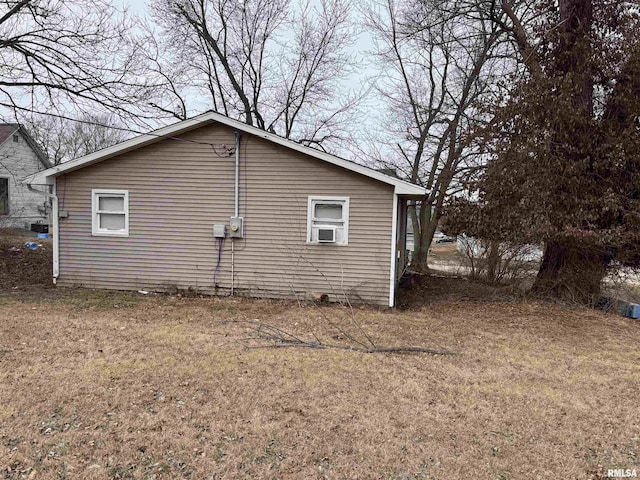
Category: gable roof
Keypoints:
(8, 129)
(171, 131)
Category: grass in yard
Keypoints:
(102, 386)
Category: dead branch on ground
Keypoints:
(270, 336)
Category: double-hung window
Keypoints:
(110, 213)
(328, 220)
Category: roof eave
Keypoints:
(42, 156)
(46, 176)
(38, 179)
(409, 190)
(118, 149)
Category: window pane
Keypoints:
(325, 211)
(4, 196)
(111, 221)
(111, 204)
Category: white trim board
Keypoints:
(344, 201)
(45, 177)
(394, 241)
(96, 231)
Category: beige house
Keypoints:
(220, 207)
(20, 157)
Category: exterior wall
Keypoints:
(18, 160)
(178, 190)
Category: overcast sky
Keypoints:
(359, 81)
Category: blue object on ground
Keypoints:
(626, 309)
(32, 245)
(633, 311)
(43, 235)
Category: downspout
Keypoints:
(56, 238)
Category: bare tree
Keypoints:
(270, 63)
(441, 59)
(64, 140)
(60, 57)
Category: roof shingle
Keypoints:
(6, 130)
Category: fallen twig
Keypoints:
(279, 338)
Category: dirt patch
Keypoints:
(22, 268)
(26, 274)
(447, 250)
(417, 290)
(108, 385)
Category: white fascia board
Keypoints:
(410, 189)
(400, 187)
(43, 177)
(394, 254)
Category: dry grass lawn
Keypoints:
(102, 385)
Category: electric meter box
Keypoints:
(236, 227)
(219, 231)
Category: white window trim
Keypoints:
(96, 231)
(311, 201)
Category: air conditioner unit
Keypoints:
(327, 234)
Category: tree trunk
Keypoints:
(421, 218)
(571, 273)
(493, 261)
(574, 272)
(574, 49)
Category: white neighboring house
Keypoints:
(20, 156)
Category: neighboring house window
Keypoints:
(110, 212)
(4, 196)
(328, 220)
(16, 139)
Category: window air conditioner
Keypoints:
(326, 234)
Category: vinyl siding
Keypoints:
(178, 190)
